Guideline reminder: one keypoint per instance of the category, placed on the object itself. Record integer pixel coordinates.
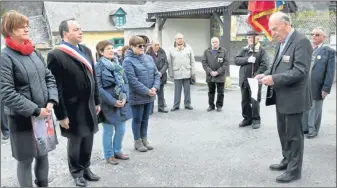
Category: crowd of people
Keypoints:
(83, 90)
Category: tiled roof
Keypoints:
(164, 6)
(95, 16)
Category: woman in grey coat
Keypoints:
(28, 89)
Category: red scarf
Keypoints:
(25, 49)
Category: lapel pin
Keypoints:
(318, 57)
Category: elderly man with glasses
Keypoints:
(322, 76)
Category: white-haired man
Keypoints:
(182, 70)
(322, 76)
(288, 88)
(215, 63)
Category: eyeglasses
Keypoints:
(315, 34)
(140, 46)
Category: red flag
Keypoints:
(260, 12)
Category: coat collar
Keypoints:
(220, 49)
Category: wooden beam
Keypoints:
(226, 36)
(235, 5)
(218, 19)
(161, 23)
(150, 20)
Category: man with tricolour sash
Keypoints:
(72, 65)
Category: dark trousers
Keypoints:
(220, 87)
(79, 154)
(4, 121)
(160, 99)
(140, 121)
(250, 107)
(41, 169)
(178, 85)
(291, 135)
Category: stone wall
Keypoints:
(28, 8)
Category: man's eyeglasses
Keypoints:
(315, 34)
(140, 46)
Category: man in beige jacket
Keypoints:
(181, 69)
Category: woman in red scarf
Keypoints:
(28, 89)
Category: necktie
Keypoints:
(281, 48)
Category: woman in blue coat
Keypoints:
(144, 82)
(113, 90)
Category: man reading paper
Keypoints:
(287, 80)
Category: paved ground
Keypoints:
(196, 148)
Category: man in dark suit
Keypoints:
(215, 63)
(322, 75)
(73, 68)
(288, 88)
(251, 62)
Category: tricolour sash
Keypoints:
(73, 53)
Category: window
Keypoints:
(120, 20)
(117, 42)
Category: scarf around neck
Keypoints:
(25, 49)
(118, 73)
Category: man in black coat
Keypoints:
(323, 67)
(251, 62)
(160, 59)
(73, 67)
(288, 89)
(215, 63)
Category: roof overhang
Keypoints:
(235, 8)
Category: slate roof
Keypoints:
(95, 16)
(164, 6)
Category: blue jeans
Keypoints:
(109, 148)
(140, 120)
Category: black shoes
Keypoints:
(81, 182)
(41, 183)
(88, 175)
(189, 107)
(287, 177)
(245, 123)
(163, 110)
(174, 109)
(256, 124)
(210, 109)
(186, 107)
(278, 167)
(311, 135)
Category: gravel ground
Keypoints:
(199, 148)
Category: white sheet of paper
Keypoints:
(254, 87)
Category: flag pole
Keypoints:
(253, 54)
